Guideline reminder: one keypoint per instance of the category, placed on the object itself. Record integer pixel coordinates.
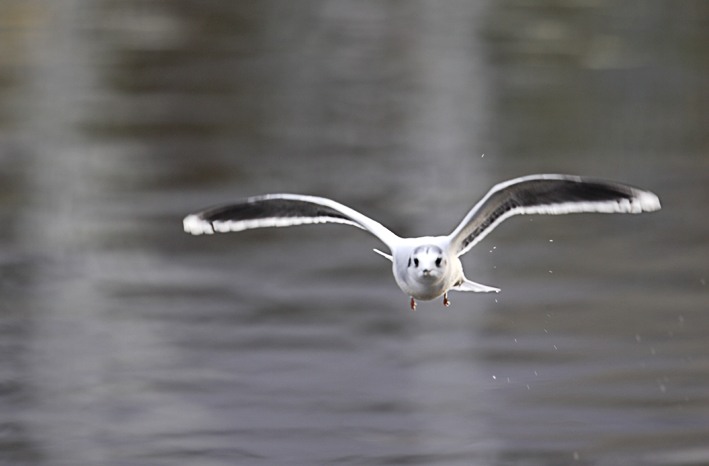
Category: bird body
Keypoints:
(427, 267)
(423, 269)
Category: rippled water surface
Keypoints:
(124, 341)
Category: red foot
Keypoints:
(446, 303)
(413, 304)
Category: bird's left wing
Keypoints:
(281, 210)
(547, 194)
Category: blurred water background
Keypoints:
(124, 341)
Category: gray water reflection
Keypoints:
(125, 341)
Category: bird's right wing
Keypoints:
(281, 210)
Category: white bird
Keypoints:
(428, 267)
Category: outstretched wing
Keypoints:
(281, 210)
(547, 194)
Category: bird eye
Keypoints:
(416, 262)
(438, 261)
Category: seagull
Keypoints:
(428, 267)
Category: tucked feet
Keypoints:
(446, 303)
(413, 304)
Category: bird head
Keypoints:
(427, 263)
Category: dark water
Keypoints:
(124, 341)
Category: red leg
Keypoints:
(446, 303)
(413, 304)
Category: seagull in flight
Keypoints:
(428, 267)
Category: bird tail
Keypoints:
(467, 285)
(383, 254)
